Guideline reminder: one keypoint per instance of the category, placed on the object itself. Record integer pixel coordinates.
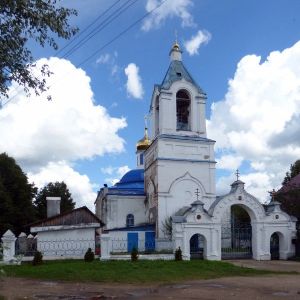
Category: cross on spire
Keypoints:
(197, 193)
(272, 194)
(176, 36)
(237, 174)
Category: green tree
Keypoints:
(22, 21)
(289, 197)
(294, 170)
(16, 195)
(57, 189)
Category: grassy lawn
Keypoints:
(130, 272)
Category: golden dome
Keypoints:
(176, 47)
(143, 143)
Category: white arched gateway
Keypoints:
(270, 229)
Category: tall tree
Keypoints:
(24, 20)
(57, 189)
(289, 194)
(294, 170)
(16, 194)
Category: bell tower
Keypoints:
(180, 158)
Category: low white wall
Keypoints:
(66, 243)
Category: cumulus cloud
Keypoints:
(116, 173)
(229, 162)
(36, 131)
(79, 185)
(40, 133)
(192, 46)
(257, 119)
(134, 83)
(169, 9)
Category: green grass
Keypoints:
(130, 272)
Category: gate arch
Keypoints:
(236, 234)
(198, 246)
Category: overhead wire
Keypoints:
(19, 89)
(87, 27)
(113, 39)
(100, 27)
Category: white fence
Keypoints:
(22, 248)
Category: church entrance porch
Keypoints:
(197, 246)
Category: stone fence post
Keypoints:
(105, 247)
(8, 243)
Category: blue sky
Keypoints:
(255, 95)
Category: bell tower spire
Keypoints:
(175, 52)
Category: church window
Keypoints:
(183, 103)
(130, 220)
(141, 159)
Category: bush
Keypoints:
(134, 254)
(178, 254)
(89, 255)
(38, 258)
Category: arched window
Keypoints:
(130, 220)
(183, 104)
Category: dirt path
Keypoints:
(263, 287)
(272, 265)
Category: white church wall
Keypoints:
(119, 207)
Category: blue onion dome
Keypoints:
(136, 175)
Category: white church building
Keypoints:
(169, 200)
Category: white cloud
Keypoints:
(134, 82)
(111, 61)
(169, 9)
(108, 170)
(257, 118)
(45, 137)
(36, 131)
(201, 38)
(79, 185)
(103, 59)
(122, 170)
(229, 162)
(116, 173)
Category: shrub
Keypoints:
(89, 255)
(37, 259)
(134, 254)
(178, 254)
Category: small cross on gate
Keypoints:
(237, 173)
(272, 194)
(197, 193)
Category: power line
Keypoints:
(100, 27)
(86, 28)
(19, 89)
(121, 33)
(113, 39)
